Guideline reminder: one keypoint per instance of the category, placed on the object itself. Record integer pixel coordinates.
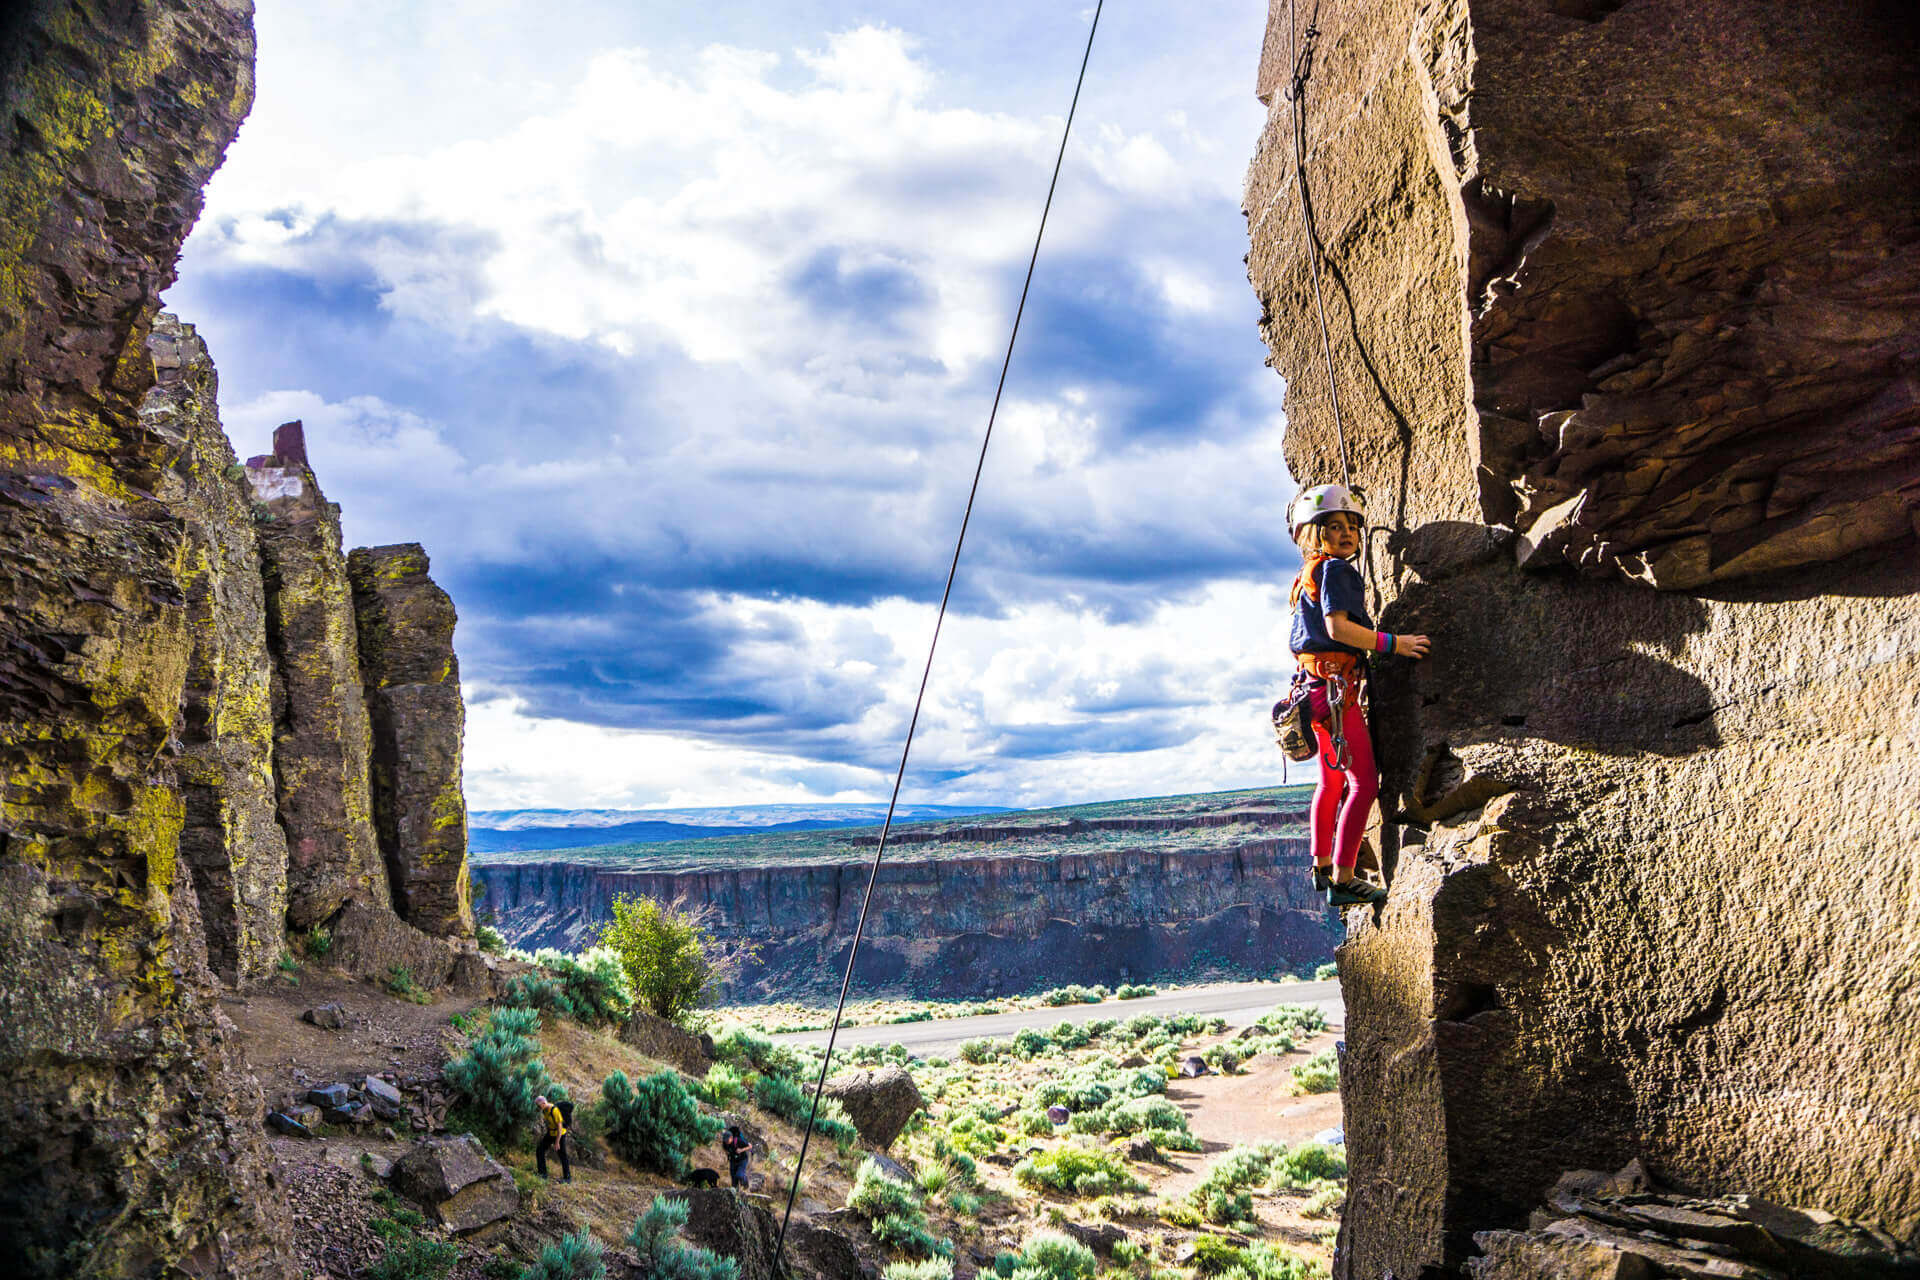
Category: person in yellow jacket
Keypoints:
(553, 1135)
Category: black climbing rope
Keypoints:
(1297, 95)
(860, 928)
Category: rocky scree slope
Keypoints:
(1037, 912)
(1621, 299)
(162, 731)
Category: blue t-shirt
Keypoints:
(1341, 591)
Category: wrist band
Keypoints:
(1383, 641)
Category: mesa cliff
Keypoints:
(188, 767)
(964, 925)
(1620, 298)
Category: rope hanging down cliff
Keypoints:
(1297, 96)
(860, 927)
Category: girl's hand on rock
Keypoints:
(1410, 646)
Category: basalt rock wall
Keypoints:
(959, 926)
(146, 689)
(130, 1144)
(1621, 304)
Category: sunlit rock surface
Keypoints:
(1620, 301)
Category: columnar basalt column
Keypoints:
(412, 681)
(322, 736)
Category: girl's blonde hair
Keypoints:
(1311, 538)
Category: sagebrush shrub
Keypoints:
(1132, 1115)
(924, 1269)
(1262, 1261)
(1326, 1201)
(592, 986)
(750, 1051)
(572, 1257)
(407, 1255)
(1172, 1139)
(875, 1195)
(537, 991)
(1327, 972)
(893, 1212)
(1292, 1018)
(500, 1074)
(1135, 991)
(1071, 1035)
(1224, 1207)
(1030, 1042)
(979, 1051)
(654, 1123)
(1243, 1166)
(782, 1096)
(1058, 1257)
(1075, 1171)
(1212, 1255)
(1318, 1074)
(722, 1088)
(1308, 1163)
(655, 1241)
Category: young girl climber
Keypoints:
(1331, 640)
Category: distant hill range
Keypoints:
(539, 830)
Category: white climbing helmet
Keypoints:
(1323, 500)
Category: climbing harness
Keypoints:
(953, 567)
(1343, 674)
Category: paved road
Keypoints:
(1238, 1002)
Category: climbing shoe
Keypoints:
(1323, 880)
(1357, 892)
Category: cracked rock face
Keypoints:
(1620, 305)
(130, 1144)
(231, 841)
(412, 679)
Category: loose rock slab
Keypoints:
(454, 1179)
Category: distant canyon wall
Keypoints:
(960, 926)
(1621, 305)
(187, 763)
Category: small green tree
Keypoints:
(668, 954)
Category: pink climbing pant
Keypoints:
(1343, 800)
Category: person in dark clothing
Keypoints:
(735, 1144)
(553, 1136)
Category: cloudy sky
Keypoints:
(671, 330)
